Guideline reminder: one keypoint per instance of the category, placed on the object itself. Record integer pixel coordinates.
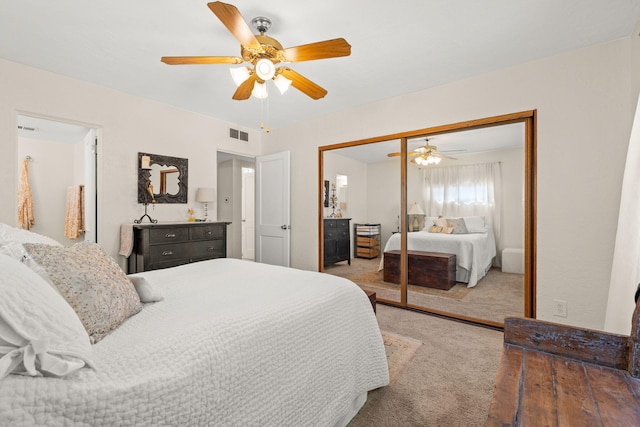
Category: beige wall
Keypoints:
(126, 125)
(585, 101)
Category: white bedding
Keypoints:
(233, 343)
(474, 251)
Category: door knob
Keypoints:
(285, 227)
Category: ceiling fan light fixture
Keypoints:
(265, 69)
(259, 90)
(427, 160)
(282, 83)
(239, 75)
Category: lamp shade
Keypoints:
(416, 209)
(205, 194)
(259, 90)
(239, 75)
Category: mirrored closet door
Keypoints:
(453, 208)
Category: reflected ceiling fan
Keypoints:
(426, 155)
(264, 53)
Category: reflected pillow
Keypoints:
(457, 226)
(475, 224)
(442, 222)
(40, 334)
(91, 282)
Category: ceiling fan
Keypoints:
(264, 53)
(426, 154)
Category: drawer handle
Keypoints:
(209, 233)
(166, 253)
(170, 235)
(210, 249)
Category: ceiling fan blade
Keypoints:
(319, 50)
(244, 90)
(181, 60)
(444, 156)
(303, 84)
(398, 154)
(232, 19)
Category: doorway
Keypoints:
(236, 203)
(60, 155)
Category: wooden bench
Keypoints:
(428, 269)
(557, 375)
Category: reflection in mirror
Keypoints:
(166, 177)
(342, 193)
(481, 180)
(371, 196)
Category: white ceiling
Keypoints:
(397, 47)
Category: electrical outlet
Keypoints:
(559, 308)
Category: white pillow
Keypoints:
(145, 290)
(12, 234)
(40, 334)
(429, 221)
(475, 224)
(11, 240)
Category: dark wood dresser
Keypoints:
(337, 240)
(167, 245)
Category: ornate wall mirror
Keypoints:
(163, 179)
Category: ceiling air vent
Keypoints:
(238, 134)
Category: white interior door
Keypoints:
(248, 214)
(273, 209)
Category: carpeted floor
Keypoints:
(496, 296)
(448, 381)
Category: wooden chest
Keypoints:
(429, 269)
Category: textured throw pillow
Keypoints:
(145, 290)
(446, 230)
(458, 226)
(40, 334)
(435, 229)
(91, 282)
(442, 222)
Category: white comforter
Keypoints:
(474, 251)
(234, 343)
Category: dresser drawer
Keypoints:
(207, 232)
(187, 252)
(168, 235)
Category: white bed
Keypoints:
(233, 343)
(474, 251)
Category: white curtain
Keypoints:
(466, 190)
